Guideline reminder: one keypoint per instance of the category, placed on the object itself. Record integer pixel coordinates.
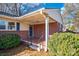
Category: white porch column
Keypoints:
(46, 32)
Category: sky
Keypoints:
(29, 7)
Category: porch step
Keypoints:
(35, 47)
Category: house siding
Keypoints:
(24, 26)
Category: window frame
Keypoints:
(14, 26)
(6, 26)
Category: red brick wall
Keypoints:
(39, 28)
(22, 34)
(53, 27)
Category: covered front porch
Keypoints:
(34, 28)
(41, 26)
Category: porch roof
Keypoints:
(30, 18)
(35, 17)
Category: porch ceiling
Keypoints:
(35, 18)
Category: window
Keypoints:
(11, 26)
(2, 25)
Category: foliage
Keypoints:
(9, 40)
(72, 28)
(64, 44)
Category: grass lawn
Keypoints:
(22, 50)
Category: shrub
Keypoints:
(9, 40)
(64, 44)
(72, 28)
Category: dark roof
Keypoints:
(7, 14)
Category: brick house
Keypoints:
(34, 27)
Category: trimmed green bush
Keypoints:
(9, 40)
(64, 44)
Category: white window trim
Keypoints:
(9, 29)
(6, 25)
